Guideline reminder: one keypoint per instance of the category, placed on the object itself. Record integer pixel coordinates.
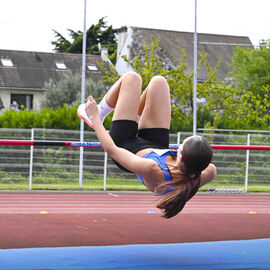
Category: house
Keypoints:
(23, 74)
(216, 46)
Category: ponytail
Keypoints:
(185, 187)
(196, 155)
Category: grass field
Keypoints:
(114, 185)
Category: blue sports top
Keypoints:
(159, 156)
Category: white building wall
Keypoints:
(124, 44)
(6, 98)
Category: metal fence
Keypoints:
(39, 167)
(240, 169)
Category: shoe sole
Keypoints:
(82, 114)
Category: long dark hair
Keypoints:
(196, 156)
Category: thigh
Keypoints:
(128, 101)
(157, 105)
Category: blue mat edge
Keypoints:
(243, 254)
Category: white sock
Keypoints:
(104, 109)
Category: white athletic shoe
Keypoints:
(82, 114)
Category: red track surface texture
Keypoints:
(85, 219)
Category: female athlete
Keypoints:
(138, 141)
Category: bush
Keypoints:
(62, 118)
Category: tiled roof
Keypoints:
(31, 70)
(170, 40)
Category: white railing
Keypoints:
(58, 167)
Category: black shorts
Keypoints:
(125, 134)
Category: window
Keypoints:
(6, 62)
(60, 66)
(22, 100)
(92, 67)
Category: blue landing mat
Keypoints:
(247, 254)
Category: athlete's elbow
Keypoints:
(213, 171)
(208, 174)
(114, 151)
(111, 151)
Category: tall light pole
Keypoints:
(195, 74)
(82, 95)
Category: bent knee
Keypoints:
(133, 77)
(159, 82)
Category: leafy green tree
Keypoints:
(99, 33)
(242, 102)
(68, 91)
(226, 105)
(235, 108)
(249, 111)
(148, 64)
(251, 68)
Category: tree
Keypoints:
(225, 106)
(251, 68)
(99, 34)
(251, 111)
(148, 64)
(235, 108)
(68, 91)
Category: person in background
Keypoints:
(14, 106)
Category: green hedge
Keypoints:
(62, 118)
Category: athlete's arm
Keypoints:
(208, 174)
(127, 159)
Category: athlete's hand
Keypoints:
(91, 109)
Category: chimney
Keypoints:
(104, 55)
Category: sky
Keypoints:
(28, 24)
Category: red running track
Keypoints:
(85, 219)
(127, 203)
